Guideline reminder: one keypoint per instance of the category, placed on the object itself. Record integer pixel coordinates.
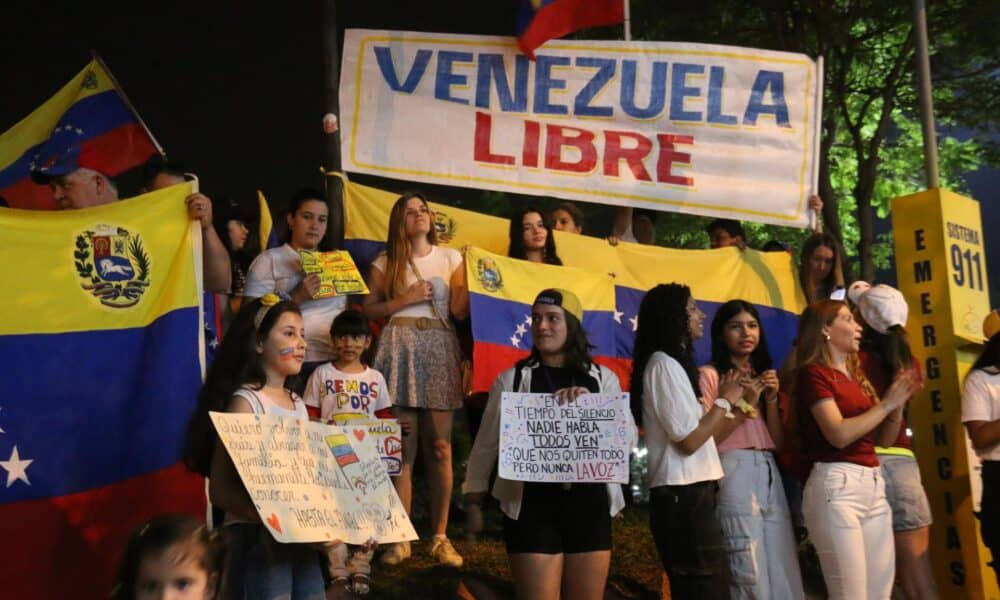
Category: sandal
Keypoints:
(361, 583)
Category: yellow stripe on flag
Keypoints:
(367, 218)
(520, 281)
(266, 224)
(38, 126)
(142, 247)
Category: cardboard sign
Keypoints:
(386, 434)
(312, 482)
(584, 441)
(338, 274)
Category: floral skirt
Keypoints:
(422, 367)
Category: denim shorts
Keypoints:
(905, 492)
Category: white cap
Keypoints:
(857, 289)
(882, 307)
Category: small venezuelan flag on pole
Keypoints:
(268, 236)
(541, 20)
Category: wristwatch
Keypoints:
(725, 405)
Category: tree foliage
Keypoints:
(871, 148)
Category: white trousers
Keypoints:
(850, 523)
(757, 526)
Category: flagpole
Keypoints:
(628, 21)
(128, 103)
(331, 75)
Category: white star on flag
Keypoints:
(521, 329)
(618, 317)
(16, 468)
(514, 340)
(635, 322)
(527, 319)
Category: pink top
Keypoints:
(752, 433)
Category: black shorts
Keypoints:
(555, 520)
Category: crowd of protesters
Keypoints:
(737, 447)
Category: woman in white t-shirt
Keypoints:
(279, 270)
(684, 465)
(418, 286)
(981, 416)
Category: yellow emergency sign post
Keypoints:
(941, 269)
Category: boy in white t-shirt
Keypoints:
(340, 391)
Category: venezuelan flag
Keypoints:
(501, 291)
(766, 279)
(100, 347)
(94, 111)
(542, 20)
(268, 236)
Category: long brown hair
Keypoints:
(833, 280)
(812, 348)
(397, 246)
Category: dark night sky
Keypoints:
(237, 94)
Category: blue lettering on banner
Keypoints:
(446, 77)
(679, 90)
(493, 71)
(385, 64)
(492, 68)
(657, 90)
(544, 84)
(775, 82)
(605, 71)
(716, 81)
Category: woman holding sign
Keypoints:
(753, 511)
(558, 536)
(279, 271)
(264, 347)
(684, 465)
(418, 286)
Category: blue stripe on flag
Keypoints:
(94, 408)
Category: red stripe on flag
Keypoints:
(562, 17)
(118, 150)
(70, 546)
(489, 360)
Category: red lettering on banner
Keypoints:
(614, 153)
(668, 156)
(481, 151)
(532, 133)
(556, 139)
(632, 147)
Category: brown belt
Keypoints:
(419, 322)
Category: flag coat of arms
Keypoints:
(102, 366)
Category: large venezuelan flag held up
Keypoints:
(91, 110)
(100, 347)
(767, 279)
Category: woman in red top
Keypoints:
(841, 419)
(885, 351)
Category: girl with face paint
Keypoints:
(263, 348)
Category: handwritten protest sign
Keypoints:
(587, 440)
(386, 435)
(338, 274)
(312, 482)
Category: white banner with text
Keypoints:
(694, 128)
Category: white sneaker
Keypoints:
(397, 553)
(444, 553)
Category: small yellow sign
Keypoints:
(338, 274)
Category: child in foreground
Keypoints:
(340, 391)
(171, 556)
